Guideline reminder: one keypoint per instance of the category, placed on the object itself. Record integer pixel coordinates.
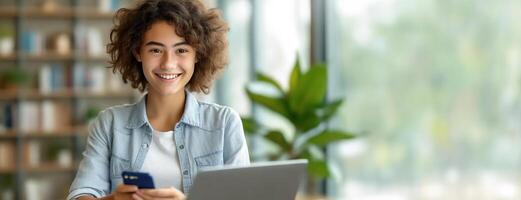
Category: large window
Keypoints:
(231, 85)
(434, 88)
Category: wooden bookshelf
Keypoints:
(49, 57)
(38, 134)
(93, 14)
(8, 12)
(50, 167)
(12, 12)
(61, 57)
(8, 170)
(63, 94)
(8, 134)
(61, 132)
(8, 57)
(72, 21)
(60, 12)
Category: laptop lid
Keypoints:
(275, 180)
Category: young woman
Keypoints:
(167, 48)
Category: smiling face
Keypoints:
(168, 60)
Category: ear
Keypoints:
(136, 55)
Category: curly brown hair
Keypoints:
(202, 28)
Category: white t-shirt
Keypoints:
(162, 161)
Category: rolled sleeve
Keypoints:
(236, 149)
(84, 192)
(93, 174)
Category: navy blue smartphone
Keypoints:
(142, 180)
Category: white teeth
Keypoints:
(169, 76)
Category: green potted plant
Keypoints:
(59, 151)
(6, 39)
(305, 107)
(12, 78)
(6, 184)
(91, 113)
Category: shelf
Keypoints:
(48, 57)
(65, 132)
(36, 134)
(8, 135)
(59, 13)
(56, 13)
(54, 57)
(8, 94)
(31, 22)
(7, 170)
(94, 14)
(8, 12)
(41, 134)
(64, 94)
(7, 57)
(50, 167)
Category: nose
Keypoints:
(169, 60)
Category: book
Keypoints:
(105, 6)
(97, 79)
(78, 77)
(44, 78)
(80, 43)
(32, 151)
(95, 46)
(115, 83)
(7, 153)
(28, 116)
(62, 119)
(57, 78)
(32, 42)
(52, 78)
(48, 118)
(60, 43)
(6, 117)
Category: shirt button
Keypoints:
(181, 146)
(144, 146)
(185, 172)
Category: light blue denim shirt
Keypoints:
(207, 135)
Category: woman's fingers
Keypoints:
(163, 193)
(136, 197)
(126, 188)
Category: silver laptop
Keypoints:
(277, 180)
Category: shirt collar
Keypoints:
(138, 116)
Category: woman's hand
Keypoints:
(159, 194)
(124, 192)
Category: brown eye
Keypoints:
(155, 51)
(182, 50)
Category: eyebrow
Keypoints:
(161, 44)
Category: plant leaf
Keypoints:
(274, 104)
(306, 122)
(278, 138)
(310, 91)
(324, 138)
(331, 108)
(250, 125)
(266, 79)
(318, 168)
(294, 78)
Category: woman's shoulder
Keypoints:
(215, 109)
(116, 112)
(216, 115)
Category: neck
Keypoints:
(164, 111)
